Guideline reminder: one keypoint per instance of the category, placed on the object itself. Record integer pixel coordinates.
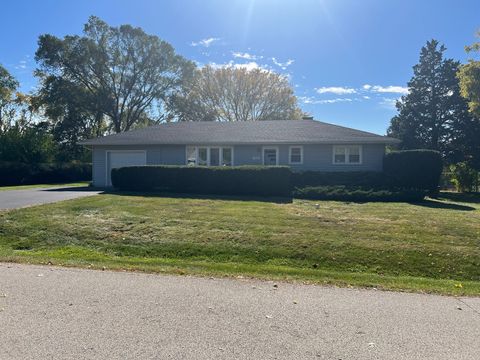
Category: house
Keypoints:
(300, 144)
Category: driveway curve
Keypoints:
(14, 199)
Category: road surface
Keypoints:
(60, 313)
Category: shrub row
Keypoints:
(410, 169)
(407, 176)
(25, 174)
(240, 180)
(347, 178)
(353, 193)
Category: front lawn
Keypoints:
(433, 246)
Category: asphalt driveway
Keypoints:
(60, 313)
(13, 199)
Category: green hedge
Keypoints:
(352, 193)
(240, 180)
(347, 178)
(414, 169)
(25, 174)
(410, 169)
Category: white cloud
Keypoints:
(246, 56)
(283, 65)
(249, 65)
(366, 97)
(205, 42)
(22, 64)
(367, 87)
(389, 103)
(338, 90)
(390, 89)
(311, 100)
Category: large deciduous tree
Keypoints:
(433, 114)
(234, 94)
(469, 76)
(120, 73)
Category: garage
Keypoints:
(123, 158)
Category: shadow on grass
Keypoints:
(277, 200)
(473, 198)
(442, 205)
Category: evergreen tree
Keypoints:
(433, 115)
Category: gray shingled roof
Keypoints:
(242, 132)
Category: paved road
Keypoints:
(58, 313)
(12, 199)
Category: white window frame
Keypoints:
(290, 155)
(219, 147)
(108, 180)
(270, 148)
(347, 153)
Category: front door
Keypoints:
(270, 156)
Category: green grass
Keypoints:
(22, 187)
(433, 246)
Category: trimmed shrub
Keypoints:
(414, 169)
(240, 180)
(352, 193)
(347, 178)
(26, 174)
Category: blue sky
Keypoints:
(348, 60)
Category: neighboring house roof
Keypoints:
(242, 132)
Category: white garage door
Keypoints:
(117, 159)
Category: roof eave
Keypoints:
(289, 142)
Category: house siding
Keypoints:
(316, 157)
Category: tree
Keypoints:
(234, 94)
(121, 73)
(73, 114)
(433, 115)
(32, 144)
(8, 87)
(469, 77)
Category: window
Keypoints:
(227, 157)
(339, 155)
(351, 154)
(202, 158)
(295, 155)
(209, 156)
(191, 156)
